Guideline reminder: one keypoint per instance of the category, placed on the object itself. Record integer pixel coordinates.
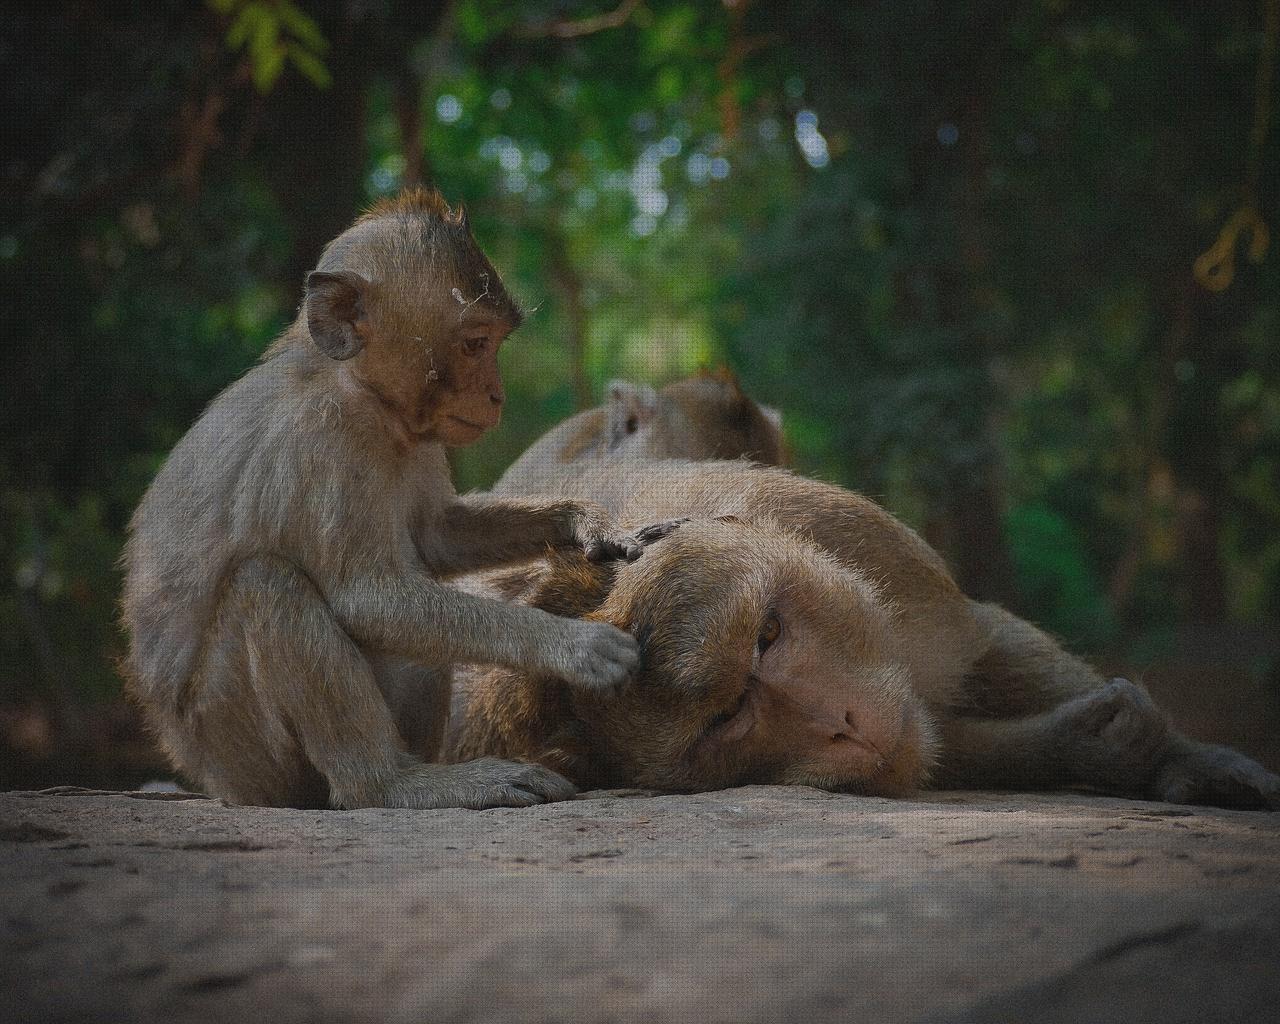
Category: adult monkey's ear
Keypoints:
(336, 314)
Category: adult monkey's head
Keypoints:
(408, 304)
(763, 661)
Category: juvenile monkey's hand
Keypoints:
(594, 655)
(600, 538)
(656, 531)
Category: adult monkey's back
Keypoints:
(741, 685)
(290, 641)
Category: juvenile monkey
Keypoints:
(706, 416)
(795, 632)
(289, 637)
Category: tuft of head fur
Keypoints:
(415, 202)
(404, 240)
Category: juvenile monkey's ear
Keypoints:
(336, 311)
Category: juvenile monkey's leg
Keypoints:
(418, 696)
(285, 697)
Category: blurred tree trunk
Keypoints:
(409, 115)
(979, 555)
(1181, 463)
(568, 282)
(1195, 452)
(314, 144)
(317, 153)
(973, 495)
(1204, 581)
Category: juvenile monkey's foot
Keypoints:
(1200, 773)
(596, 655)
(1114, 734)
(488, 782)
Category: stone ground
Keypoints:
(756, 904)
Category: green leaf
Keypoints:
(266, 36)
(302, 27)
(267, 68)
(310, 67)
(241, 28)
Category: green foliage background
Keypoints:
(953, 242)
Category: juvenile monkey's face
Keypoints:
(764, 662)
(470, 397)
(436, 365)
(419, 326)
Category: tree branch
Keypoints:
(566, 29)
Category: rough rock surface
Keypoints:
(757, 904)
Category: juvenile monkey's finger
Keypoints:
(1137, 693)
(619, 668)
(605, 549)
(622, 647)
(632, 548)
(606, 673)
(609, 658)
(656, 531)
(589, 641)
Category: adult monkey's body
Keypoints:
(290, 643)
(795, 632)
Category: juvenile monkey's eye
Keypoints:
(769, 633)
(473, 344)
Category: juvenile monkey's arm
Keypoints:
(415, 616)
(477, 533)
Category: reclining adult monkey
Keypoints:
(794, 632)
(706, 416)
(290, 641)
